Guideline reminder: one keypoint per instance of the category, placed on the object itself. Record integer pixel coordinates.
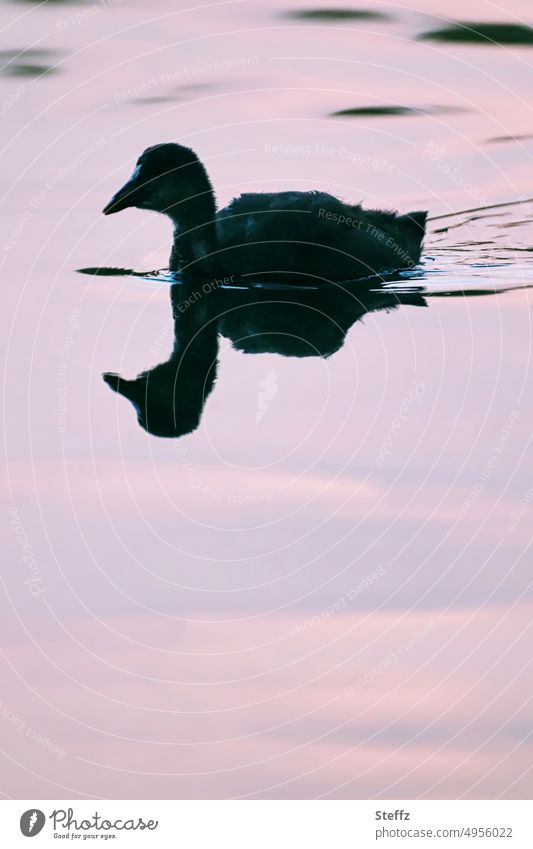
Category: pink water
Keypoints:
(333, 598)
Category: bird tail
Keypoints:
(417, 220)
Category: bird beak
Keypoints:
(120, 384)
(127, 196)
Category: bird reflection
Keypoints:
(291, 321)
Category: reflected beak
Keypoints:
(127, 196)
(119, 384)
(112, 379)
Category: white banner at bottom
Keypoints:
(267, 824)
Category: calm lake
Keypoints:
(324, 590)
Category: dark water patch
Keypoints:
(27, 62)
(384, 111)
(156, 99)
(182, 94)
(369, 111)
(337, 15)
(506, 139)
(481, 33)
(147, 92)
(29, 70)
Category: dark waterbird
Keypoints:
(297, 236)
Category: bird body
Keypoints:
(314, 233)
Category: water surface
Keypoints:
(324, 590)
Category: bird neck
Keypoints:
(195, 238)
